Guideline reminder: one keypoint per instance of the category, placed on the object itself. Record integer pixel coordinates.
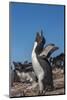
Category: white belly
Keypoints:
(37, 67)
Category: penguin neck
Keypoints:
(33, 52)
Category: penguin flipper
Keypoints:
(48, 50)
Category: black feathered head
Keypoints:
(40, 42)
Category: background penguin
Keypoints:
(41, 66)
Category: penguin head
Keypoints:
(40, 40)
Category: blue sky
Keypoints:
(26, 20)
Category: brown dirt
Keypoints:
(32, 89)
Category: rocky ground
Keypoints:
(31, 89)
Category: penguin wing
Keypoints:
(48, 50)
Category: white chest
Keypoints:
(36, 66)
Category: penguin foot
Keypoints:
(42, 92)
